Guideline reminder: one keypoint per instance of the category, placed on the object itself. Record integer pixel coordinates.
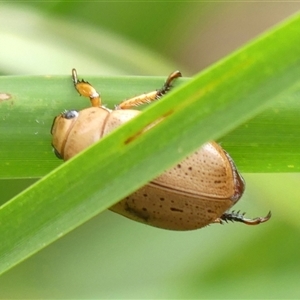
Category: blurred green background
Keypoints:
(109, 256)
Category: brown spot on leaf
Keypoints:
(4, 96)
(147, 127)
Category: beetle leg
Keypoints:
(85, 89)
(237, 217)
(152, 96)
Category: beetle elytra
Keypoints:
(196, 192)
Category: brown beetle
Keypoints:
(196, 192)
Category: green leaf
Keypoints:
(206, 107)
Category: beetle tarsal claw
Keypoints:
(85, 89)
(151, 96)
(168, 84)
(240, 217)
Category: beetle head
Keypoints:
(60, 130)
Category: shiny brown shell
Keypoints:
(193, 194)
(188, 196)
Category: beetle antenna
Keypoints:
(238, 217)
(85, 89)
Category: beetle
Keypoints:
(196, 192)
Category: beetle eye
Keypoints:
(70, 114)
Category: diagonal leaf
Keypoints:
(216, 100)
